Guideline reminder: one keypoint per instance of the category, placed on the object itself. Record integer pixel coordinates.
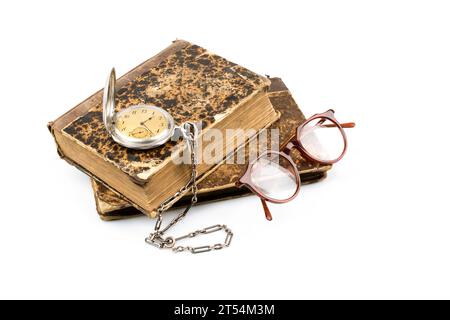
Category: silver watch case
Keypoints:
(109, 120)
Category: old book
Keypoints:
(189, 82)
(220, 184)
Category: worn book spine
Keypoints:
(220, 184)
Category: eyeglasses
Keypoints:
(274, 177)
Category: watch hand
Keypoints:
(149, 130)
(142, 123)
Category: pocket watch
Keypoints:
(140, 126)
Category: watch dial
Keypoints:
(141, 122)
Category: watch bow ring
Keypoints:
(140, 126)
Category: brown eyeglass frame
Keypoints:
(286, 148)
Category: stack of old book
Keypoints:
(192, 84)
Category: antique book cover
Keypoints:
(189, 82)
(220, 184)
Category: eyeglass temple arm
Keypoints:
(266, 210)
(264, 203)
(345, 125)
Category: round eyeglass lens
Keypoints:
(322, 139)
(274, 176)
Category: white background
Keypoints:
(377, 227)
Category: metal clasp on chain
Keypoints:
(156, 239)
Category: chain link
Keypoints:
(156, 238)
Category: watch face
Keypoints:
(141, 122)
(143, 126)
